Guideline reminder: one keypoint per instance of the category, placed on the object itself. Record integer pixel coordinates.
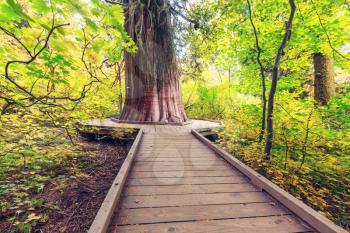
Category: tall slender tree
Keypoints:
(262, 73)
(275, 72)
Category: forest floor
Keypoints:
(70, 205)
(321, 182)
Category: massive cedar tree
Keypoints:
(151, 74)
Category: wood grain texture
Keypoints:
(179, 180)
(193, 199)
(160, 181)
(164, 174)
(310, 216)
(165, 167)
(110, 203)
(197, 213)
(272, 224)
(188, 189)
(181, 183)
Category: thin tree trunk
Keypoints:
(151, 74)
(324, 84)
(262, 73)
(307, 131)
(287, 147)
(275, 70)
(119, 77)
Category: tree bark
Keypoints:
(324, 84)
(151, 74)
(262, 73)
(273, 89)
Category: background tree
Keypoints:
(324, 83)
(275, 74)
(303, 134)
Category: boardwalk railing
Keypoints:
(310, 216)
(105, 213)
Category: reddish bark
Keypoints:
(151, 74)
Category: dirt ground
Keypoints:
(83, 194)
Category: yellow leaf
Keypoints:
(31, 217)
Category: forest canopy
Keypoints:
(63, 62)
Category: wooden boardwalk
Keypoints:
(177, 183)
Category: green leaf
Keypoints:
(17, 9)
(41, 6)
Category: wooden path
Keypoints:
(177, 183)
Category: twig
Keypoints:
(304, 152)
(328, 37)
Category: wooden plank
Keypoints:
(159, 181)
(305, 212)
(171, 144)
(201, 148)
(164, 136)
(176, 152)
(196, 213)
(174, 149)
(159, 154)
(142, 167)
(136, 174)
(176, 137)
(178, 159)
(171, 149)
(185, 138)
(147, 123)
(272, 224)
(164, 156)
(104, 215)
(165, 141)
(179, 163)
(157, 142)
(193, 199)
(188, 189)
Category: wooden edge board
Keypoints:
(210, 120)
(210, 129)
(306, 213)
(150, 122)
(110, 203)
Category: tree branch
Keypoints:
(124, 3)
(328, 37)
(7, 32)
(194, 22)
(27, 62)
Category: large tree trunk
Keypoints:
(151, 74)
(324, 84)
